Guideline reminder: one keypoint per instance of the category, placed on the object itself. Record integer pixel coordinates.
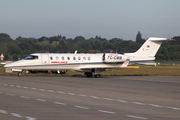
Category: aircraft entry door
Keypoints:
(45, 58)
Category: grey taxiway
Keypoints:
(75, 98)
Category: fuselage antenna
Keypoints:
(75, 52)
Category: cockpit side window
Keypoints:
(31, 57)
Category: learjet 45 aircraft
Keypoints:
(88, 63)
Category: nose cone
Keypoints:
(6, 66)
(15, 64)
(9, 65)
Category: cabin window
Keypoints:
(89, 58)
(62, 58)
(74, 58)
(57, 58)
(31, 57)
(68, 58)
(79, 58)
(84, 58)
(51, 58)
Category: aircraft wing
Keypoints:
(125, 64)
(100, 68)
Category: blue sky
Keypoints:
(88, 18)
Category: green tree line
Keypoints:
(21, 47)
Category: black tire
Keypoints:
(97, 76)
(19, 74)
(89, 74)
(63, 72)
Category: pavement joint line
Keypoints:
(106, 112)
(138, 103)
(3, 112)
(155, 105)
(24, 97)
(169, 107)
(18, 86)
(81, 107)
(60, 92)
(122, 101)
(30, 118)
(108, 99)
(10, 94)
(60, 103)
(26, 87)
(15, 115)
(82, 95)
(42, 89)
(41, 100)
(94, 97)
(34, 88)
(174, 108)
(137, 117)
(50, 90)
(71, 93)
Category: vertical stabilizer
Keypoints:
(149, 48)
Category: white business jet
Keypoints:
(88, 63)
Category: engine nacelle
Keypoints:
(110, 58)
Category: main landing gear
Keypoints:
(97, 76)
(89, 74)
(19, 74)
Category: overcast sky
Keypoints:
(88, 18)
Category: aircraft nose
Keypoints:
(7, 65)
(14, 64)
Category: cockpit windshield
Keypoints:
(31, 57)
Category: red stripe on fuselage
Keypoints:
(60, 62)
(113, 54)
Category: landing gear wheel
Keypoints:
(63, 72)
(19, 74)
(89, 74)
(97, 76)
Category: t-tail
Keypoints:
(146, 53)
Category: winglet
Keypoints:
(126, 63)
